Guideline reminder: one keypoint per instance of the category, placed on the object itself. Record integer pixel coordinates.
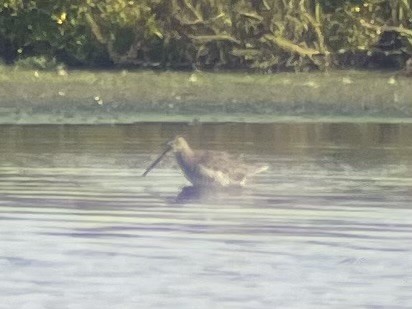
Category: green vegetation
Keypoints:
(266, 35)
(127, 97)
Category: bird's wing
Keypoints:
(222, 167)
(214, 176)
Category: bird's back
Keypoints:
(216, 168)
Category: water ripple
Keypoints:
(81, 229)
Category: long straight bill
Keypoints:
(156, 161)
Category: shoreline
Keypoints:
(124, 97)
(84, 119)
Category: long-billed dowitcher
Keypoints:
(208, 168)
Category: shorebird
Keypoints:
(205, 168)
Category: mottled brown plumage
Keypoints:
(209, 168)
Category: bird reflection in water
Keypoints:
(190, 194)
(204, 194)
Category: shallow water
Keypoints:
(328, 226)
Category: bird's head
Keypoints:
(178, 144)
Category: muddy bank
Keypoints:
(84, 97)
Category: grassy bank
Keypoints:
(124, 97)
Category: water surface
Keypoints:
(328, 226)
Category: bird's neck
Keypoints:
(186, 154)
